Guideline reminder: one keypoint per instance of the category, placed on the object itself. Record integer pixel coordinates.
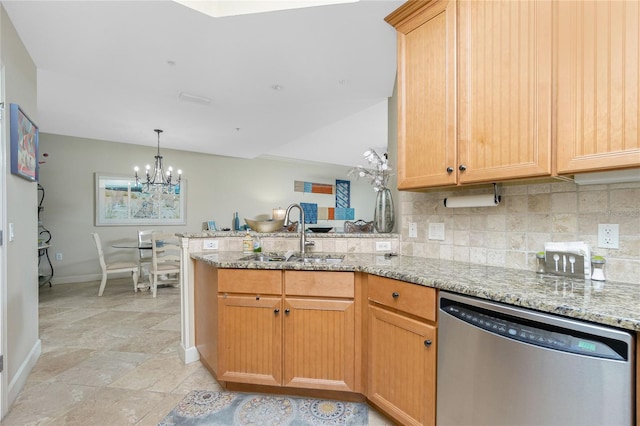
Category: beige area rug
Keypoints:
(237, 408)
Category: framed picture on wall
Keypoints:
(118, 202)
(24, 144)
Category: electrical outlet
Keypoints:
(436, 231)
(413, 230)
(210, 244)
(59, 257)
(383, 245)
(609, 235)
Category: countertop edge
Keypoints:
(468, 283)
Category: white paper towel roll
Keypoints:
(485, 200)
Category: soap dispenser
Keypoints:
(247, 243)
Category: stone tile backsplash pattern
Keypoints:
(529, 215)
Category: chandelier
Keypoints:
(160, 182)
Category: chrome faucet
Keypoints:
(303, 241)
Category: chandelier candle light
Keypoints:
(384, 213)
(159, 182)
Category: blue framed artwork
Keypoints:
(343, 194)
(24, 145)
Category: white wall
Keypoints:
(216, 187)
(21, 302)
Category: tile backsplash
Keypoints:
(529, 215)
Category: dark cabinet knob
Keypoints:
(257, 297)
(427, 343)
(449, 170)
(395, 294)
(276, 311)
(286, 311)
(462, 167)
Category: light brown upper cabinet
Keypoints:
(426, 93)
(598, 88)
(474, 91)
(504, 90)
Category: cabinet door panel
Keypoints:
(504, 111)
(250, 346)
(319, 338)
(402, 369)
(426, 94)
(206, 313)
(598, 85)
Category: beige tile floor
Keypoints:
(110, 360)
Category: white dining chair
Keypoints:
(144, 262)
(114, 267)
(165, 260)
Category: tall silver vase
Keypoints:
(384, 215)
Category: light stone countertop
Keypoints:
(609, 303)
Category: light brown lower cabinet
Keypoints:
(401, 373)
(250, 339)
(291, 328)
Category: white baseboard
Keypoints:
(86, 278)
(76, 279)
(18, 382)
(189, 355)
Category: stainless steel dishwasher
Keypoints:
(502, 365)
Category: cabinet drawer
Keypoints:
(310, 283)
(249, 281)
(410, 298)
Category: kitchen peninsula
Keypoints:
(610, 303)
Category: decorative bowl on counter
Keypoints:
(265, 225)
(320, 229)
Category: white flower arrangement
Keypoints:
(379, 175)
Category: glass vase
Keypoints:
(384, 214)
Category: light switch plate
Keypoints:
(413, 230)
(436, 231)
(210, 244)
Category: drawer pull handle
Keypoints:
(257, 297)
(462, 167)
(449, 170)
(395, 294)
(286, 311)
(276, 311)
(427, 343)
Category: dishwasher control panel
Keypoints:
(531, 332)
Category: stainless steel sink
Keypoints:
(264, 257)
(320, 258)
(307, 258)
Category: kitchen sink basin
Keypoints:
(306, 258)
(313, 258)
(262, 257)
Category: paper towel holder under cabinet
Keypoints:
(485, 200)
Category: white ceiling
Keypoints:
(113, 70)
